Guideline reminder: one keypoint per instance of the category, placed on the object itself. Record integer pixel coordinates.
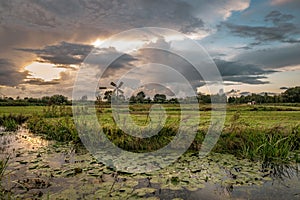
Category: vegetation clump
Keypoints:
(61, 129)
(275, 144)
(11, 122)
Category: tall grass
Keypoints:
(3, 165)
(11, 122)
(54, 111)
(60, 129)
(275, 144)
(55, 123)
(137, 144)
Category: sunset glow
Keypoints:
(45, 71)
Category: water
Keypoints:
(44, 169)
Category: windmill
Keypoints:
(117, 88)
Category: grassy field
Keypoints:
(257, 132)
(255, 115)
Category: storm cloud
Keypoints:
(273, 57)
(281, 30)
(39, 81)
(251, 44)
(61, 54)
(9, 73)
(239, 72)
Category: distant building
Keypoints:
(251, 103)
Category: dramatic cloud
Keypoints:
(233, 68)
(278, 18)
(61, 33)
(38, 27)
(246, 79)
(111, 16)
(273, 57)
(35, 87)
(62, 54)
(231, 71)
(214, 9)
(39, 81)
(234, 71)
(9, 73)
(281, 30)
(110, 62)
(119, 66)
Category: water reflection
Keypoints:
(280, 172)
(284, 184)
(11, 143)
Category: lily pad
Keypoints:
(143, 191)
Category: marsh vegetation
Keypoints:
(255, 142)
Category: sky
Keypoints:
(254, 44)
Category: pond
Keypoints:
(43, 169)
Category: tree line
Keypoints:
(291, 95)
(56, 99)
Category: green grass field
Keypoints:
(265, 115)
(258, 132)
(25, 110)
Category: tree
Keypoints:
(292, 95)
(45, 100)
(58, 99)
(202, 98)
(140, 97)
(132, 99)
(231, 100)
(174, 101)
(160, 98)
